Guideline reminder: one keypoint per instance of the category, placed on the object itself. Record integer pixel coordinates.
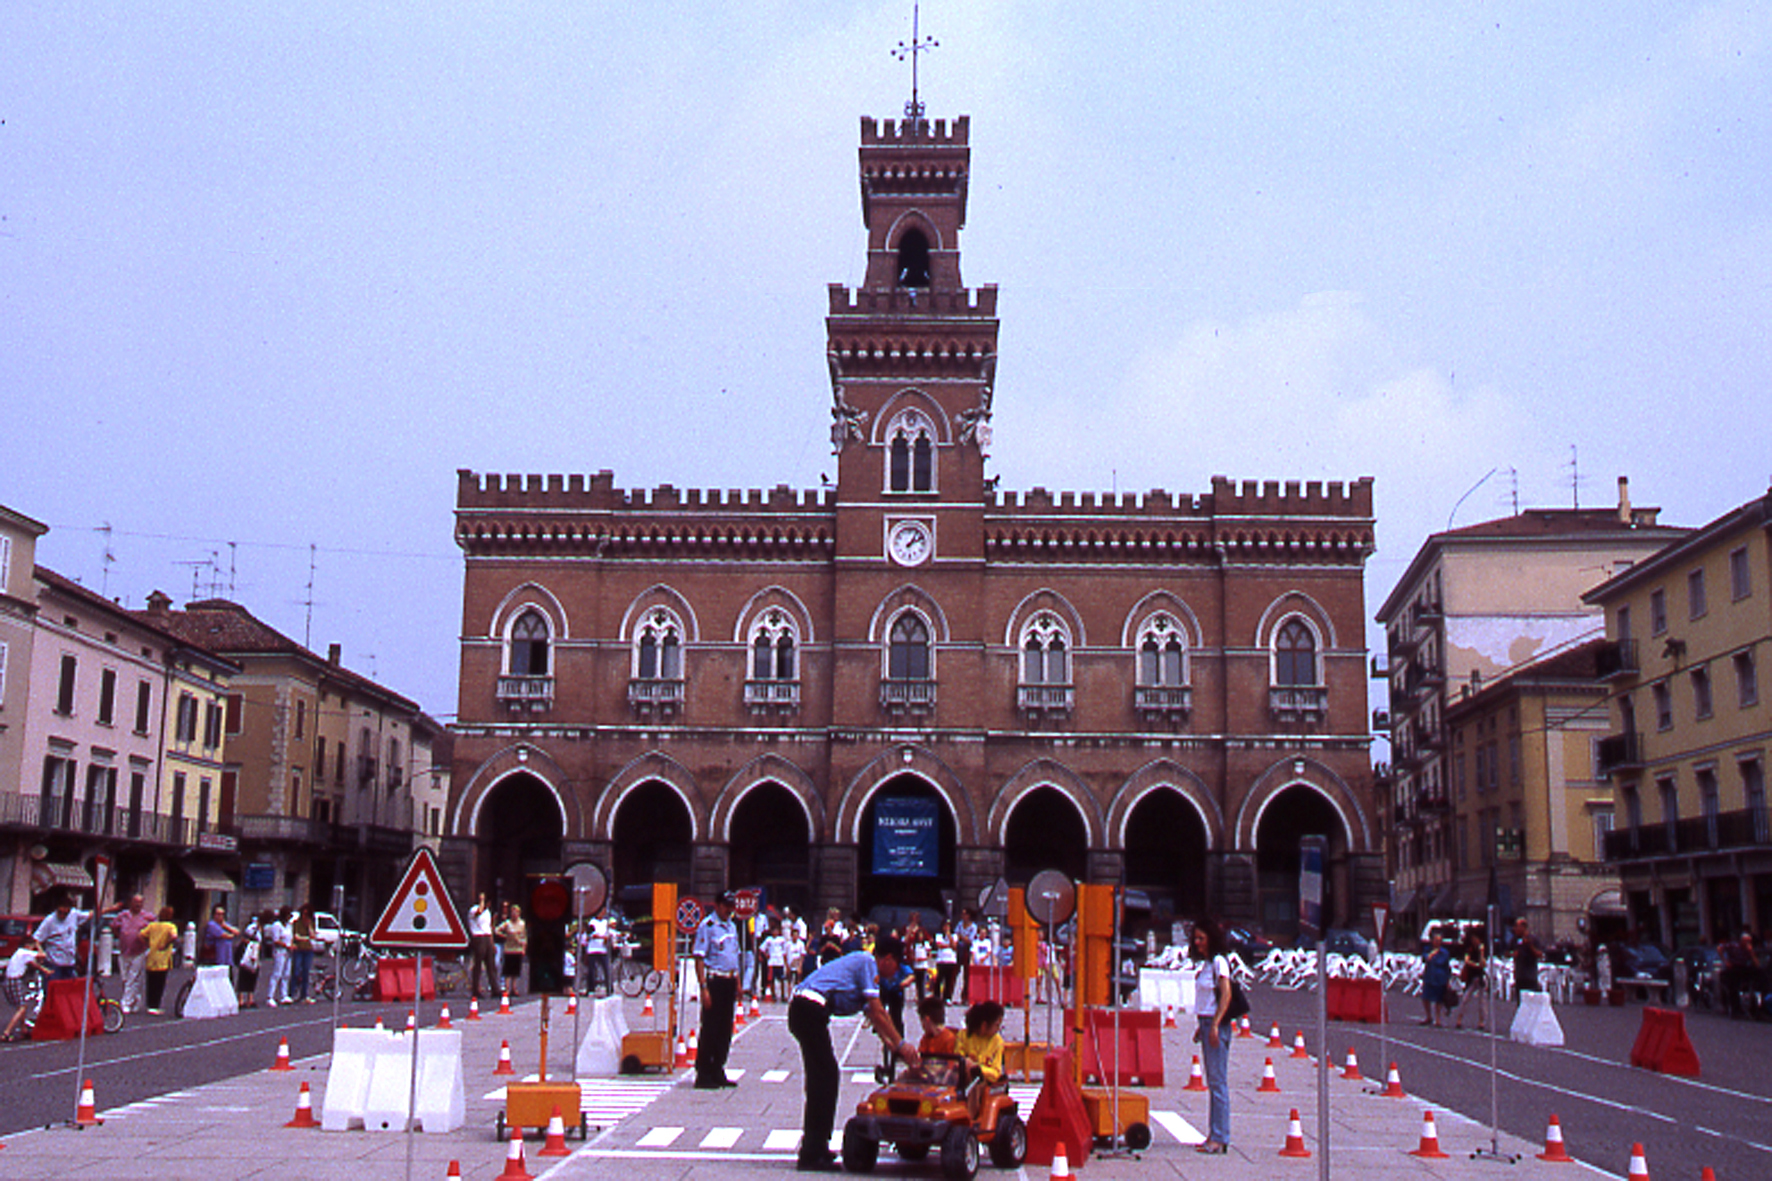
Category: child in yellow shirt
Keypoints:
(982, 1044)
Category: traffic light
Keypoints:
(550, 904)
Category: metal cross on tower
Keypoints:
(913, 110)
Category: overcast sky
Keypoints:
(270, 275)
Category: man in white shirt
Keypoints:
(597, 953)
(480, 945)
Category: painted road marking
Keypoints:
(782, 1140)
(721, 1138)
(659, 1138)
(1172, 1123)
(775, 1076)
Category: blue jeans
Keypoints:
(300, 972)
(1216, 1060)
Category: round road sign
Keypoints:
(688, 915)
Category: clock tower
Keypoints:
(913, 356)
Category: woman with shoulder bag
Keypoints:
(1474, 975)
(1212, 1001)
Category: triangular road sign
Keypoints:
(420, 915)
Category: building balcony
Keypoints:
(1426, 613)
(1163, 700)
(1381, 669)
(1297, 703)
(769, 694)
(1045, 699)
(1403, 642)
(1617, 659)
(35, 813)
(1429, 739)
(1618, 752)
(648, 695)
(901, 696)
(282, 830)
(1748, 828)
(1381, 721)
(372, 838)
(526, 694)
(1431, 802)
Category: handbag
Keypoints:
(1239, 1006)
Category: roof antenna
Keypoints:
(913, 110)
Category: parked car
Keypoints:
(327, 932)
(1644, 960)
(1250, 944)
(1453, 931)
(14, 930)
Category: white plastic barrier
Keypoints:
(1159, 988)
(1535, 1023)
(600, 1052)
(212, 994)
(370, 1081)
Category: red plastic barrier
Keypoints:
(1336, 1001)
(1139, 1053)
(993, 983)
(1059, 1116)
(393, 980)
(60, 1016)
(1353, 1000)
(1663, 1045)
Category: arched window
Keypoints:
(659, 647)
(913, 259)
(911, 447)
(908, 650)
(529, 645)
(1162, 653)
(1045, 651)
(773, 643)
(1295, 654)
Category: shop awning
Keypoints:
(66, 875)
(205, 878)
(1444, 901)
(1609, 903)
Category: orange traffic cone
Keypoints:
(1061, 1164)
(556, 1141)
(514, 1170)
(1298, 1050)
(1709, 1174)
(1245, 1029)
(443, 1019)
(1639, 1167)
(738, 1016)
(1273, 1037)
(1294, 1137)
(379, 1025)
(1430, 1139)
(1269, 1084)
(571, 1003)
(756, 1007)
(1196, 1079)
(1351, 1072)
(454, 1171)
(473, 1008)
(681, 1059)
(304, 1111)
(504, 1004)
(1168, 1016)
(86, 1111)
(504, 1059)
(411, 1020)
(647, 1012)
(282, 1060)
(1553, 1143)
(1393, 1085)
(693, 1042)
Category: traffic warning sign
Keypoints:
(420, 916)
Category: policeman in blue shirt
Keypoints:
(847, 985)
(716, 967)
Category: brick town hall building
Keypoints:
(896, 690)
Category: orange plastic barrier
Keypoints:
(393, 980)
(1059, 1116)
(1662, 1044)
(60, 1016)
(1140, 1050)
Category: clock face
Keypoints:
(910, 543)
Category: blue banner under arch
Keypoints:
(907, 837)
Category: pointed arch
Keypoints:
(1301, 771)
(529, 594)
(768, 768)
(899, 760)
(660, 594)
(1033, 776)
(1161, 775)
(1044, 599)
(651, 767)
(519, 758)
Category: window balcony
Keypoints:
(656, 694)
(295, 830)
(526, 694)
(1381, 721)
(771, 694)
(1381, 669)
(1177, 700)
(1046, 699)
(1404, 641)
(1295, 703)
(1746, 828)
(900, 696)
(1431, 802)
(1616, 660)
(1619, 752)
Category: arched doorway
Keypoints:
(906, 848)
(653, 836)
(519, 833)
(1166, 853)
(1296, 812)
(770, 846)
(1045, 831)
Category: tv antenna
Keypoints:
(917, 45)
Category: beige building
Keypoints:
(1525, 803)
(1688, 635)
(332, 776)
(1474, 603)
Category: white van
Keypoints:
(1453, 931)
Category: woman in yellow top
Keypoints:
(161, 936)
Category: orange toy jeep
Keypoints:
(926, 1108)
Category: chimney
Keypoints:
(1624, 514)
(158, 603)
(333, 652)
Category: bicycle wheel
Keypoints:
(653, 982)
(631, 978)
(356, 969)
(113, 1015)
(184, 994)
(323, 985)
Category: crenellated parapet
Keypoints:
(1272, 498)
(914, 132)
(973, 302)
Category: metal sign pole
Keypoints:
(1380, 915)
(103, 865)
(1493, 1152)
(338, 954)
(418, 1000)
(1311, 922)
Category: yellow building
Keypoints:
(1688, 631)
